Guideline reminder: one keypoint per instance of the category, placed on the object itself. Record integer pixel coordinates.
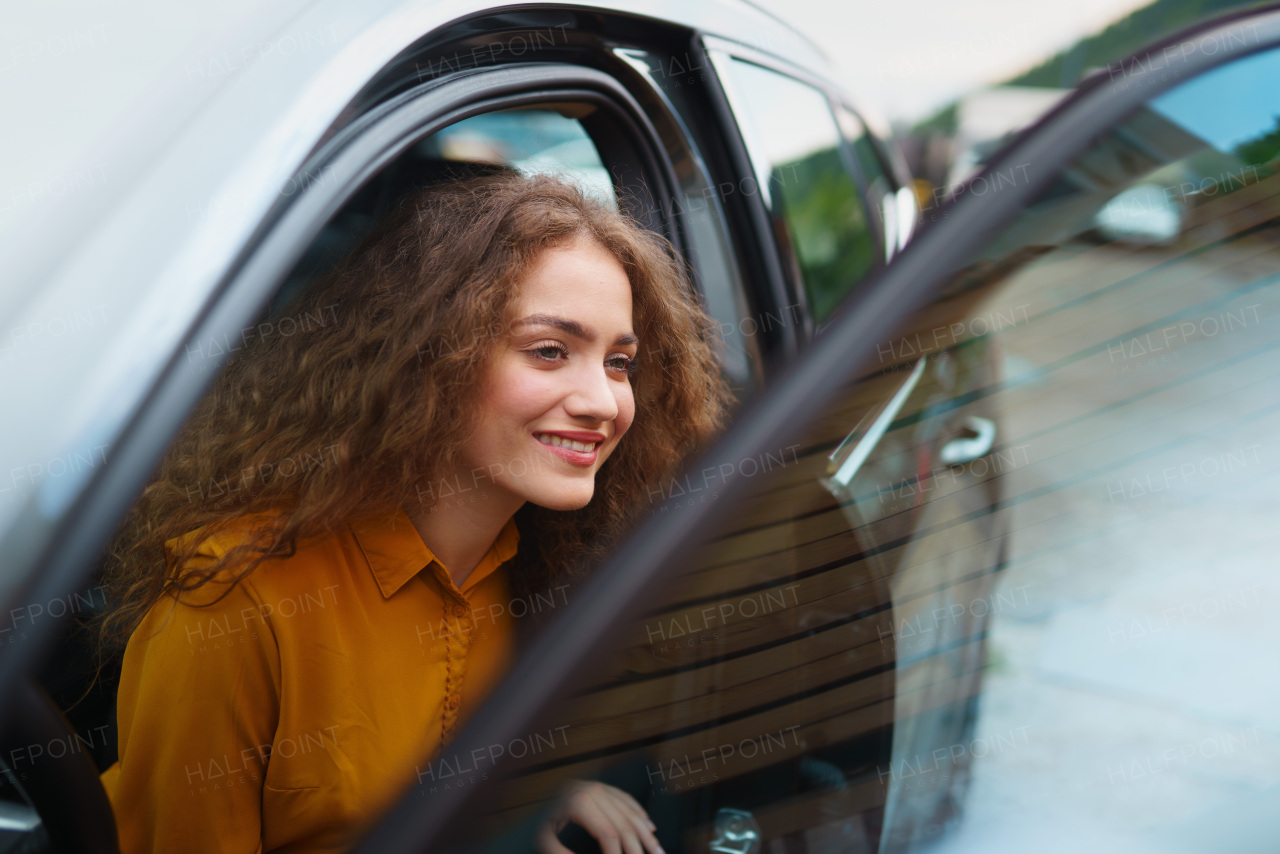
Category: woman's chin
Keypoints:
(567, 500)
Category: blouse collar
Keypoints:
(396, 552)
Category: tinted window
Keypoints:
(817, 213)
(1081, 606)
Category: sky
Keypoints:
(1223, 107)
(907, 58)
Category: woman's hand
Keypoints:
(618, 823)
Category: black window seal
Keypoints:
(748, 219)
(891, 160)
(849, 157)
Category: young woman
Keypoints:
(331, 567)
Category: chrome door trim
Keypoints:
(846, 462)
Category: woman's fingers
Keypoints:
(615, 819)
(628, 810)
(634, 806)
(629, 828)
(582, 806)
(629, 816)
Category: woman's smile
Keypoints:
(576, 447)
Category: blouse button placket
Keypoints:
(456, 643)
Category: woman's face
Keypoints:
(557, 396)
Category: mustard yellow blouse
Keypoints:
(289, 715)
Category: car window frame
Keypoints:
(748, 216)
(722, 52)
(569, 653)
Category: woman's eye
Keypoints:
(548, 352)
(622, 364)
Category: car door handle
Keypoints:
(857, 446)
(957, 452)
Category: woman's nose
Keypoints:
(593, 395)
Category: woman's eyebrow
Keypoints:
(572, 327)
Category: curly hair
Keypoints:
(367, 405)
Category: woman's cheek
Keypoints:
(626, 411)
(626, 414)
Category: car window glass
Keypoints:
(532, 140)
(1079, 623)
(816, 210)
(751, 702)
(1015, 583)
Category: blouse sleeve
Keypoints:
(198, 707)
